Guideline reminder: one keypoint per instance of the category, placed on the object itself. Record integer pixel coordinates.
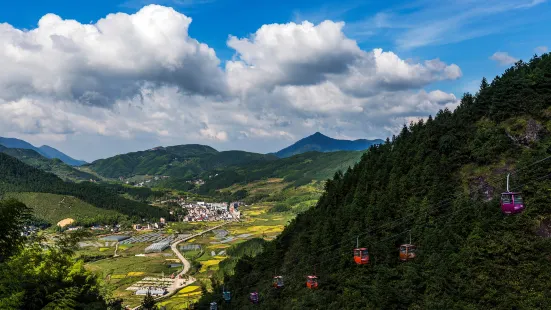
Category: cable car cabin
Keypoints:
(226, 295)
(312, 282)
(278, 282)
(253, 297)
(511, 203)
(213, 306)
(361, 256)
(407, 252)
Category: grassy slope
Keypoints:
(53, 208)
(19, 177)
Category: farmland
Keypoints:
(273, 203)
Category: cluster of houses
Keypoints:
(150, 226)
(29, 230)
(210, 211)
(196, 182)
(111, 228)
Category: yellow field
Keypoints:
(186, 296)
(189, 289)
(118, 276)
(211, 264)
(218, 246)
(136, 274)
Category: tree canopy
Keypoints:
(439, 180)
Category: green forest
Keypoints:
(37, 275)
(19, 177)
(438, 180)
(183, 161)
(55, 166)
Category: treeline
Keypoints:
(16, 176)
(439, 180)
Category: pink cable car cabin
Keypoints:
(312, 282)
(511, 202)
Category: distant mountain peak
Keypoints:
(322, 143)
(45, 150)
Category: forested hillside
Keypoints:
(299, 169)
(15, 176)
(439, 179)
(55, 166)
(184, 161)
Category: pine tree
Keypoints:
(148, 302)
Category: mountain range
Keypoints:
(45, 150)
(322, 143)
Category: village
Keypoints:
(205, 211)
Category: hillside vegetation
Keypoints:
(55, 166)
(439, 179)
(19, 177)
(53, 208)
(299, 169)
(184, 161)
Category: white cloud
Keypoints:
(503, 58)
(541, 49)
(139, 81)
(112, 59)
(290, 54)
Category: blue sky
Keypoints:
(481, 37)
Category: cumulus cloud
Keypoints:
(96, 64)
(141, 77)
(306, 54)
(290, 54)
(503, 58)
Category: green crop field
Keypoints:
(121, 272)
(54, 208)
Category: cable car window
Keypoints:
(518, 199)
(364, 253)
(506, 199)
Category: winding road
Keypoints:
(178, 284)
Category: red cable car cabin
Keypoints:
(312, 282)
(253, 297)
(407, 252)
(278, 282)
(361, 256)
(511, 203)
